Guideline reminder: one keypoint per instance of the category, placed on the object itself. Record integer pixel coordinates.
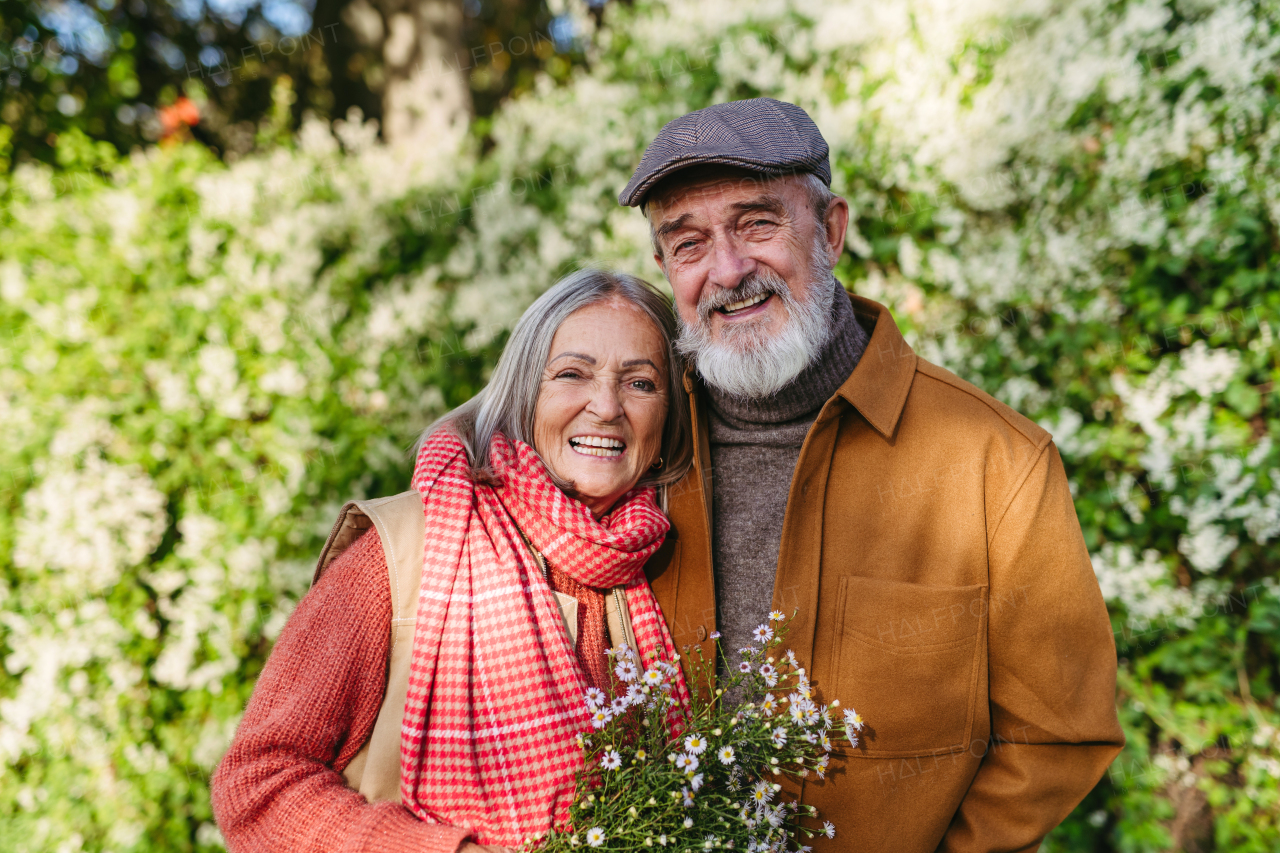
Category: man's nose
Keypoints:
(729, 264)
(606, 401)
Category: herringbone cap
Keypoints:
(759, 134)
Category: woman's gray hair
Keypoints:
(508, 403)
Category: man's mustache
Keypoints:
(756, 284)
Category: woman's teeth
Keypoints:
(745, 303)
(591, 445)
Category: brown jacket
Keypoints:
(943, 589)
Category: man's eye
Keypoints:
(687, 244)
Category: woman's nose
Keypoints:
(605, 402)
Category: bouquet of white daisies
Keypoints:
(715, 783)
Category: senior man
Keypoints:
(922, 531)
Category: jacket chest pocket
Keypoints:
(910, 660)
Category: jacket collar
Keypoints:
(878, 386)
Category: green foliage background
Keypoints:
(1075, 207)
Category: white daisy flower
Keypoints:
(652, 677)
(686, 797)
(852, 719)
(768, 704)
(695, 744)
(762, 634)
(825, 741)
(686, 762)
(776, 616)
(769, 674)
(828, 829)
(695, 781)
(688, 823)
(744, 667)
(595, 697)
(600, 719)
(715, 635)
(618, 706)
(726, 755)
(626, 671)
(791, 658)
(779, 737)
(747, 650)
(595, 836)
(762, 793)
(611, 760)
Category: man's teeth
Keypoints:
(745, 303)
(593, 445)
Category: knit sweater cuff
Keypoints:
(394, 830)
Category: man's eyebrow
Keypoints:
(673, 224)
(765, 203)
(588, 359)
(633, 362)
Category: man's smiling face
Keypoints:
(750, 265)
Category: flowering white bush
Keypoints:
(1073, 206)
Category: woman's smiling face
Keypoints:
(603, 402)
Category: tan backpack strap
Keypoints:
(618, 617)
(401, 527)
(375, 769)
(347, 529)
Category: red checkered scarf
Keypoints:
(496, 697)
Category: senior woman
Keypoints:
(541, 487)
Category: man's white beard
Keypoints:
(747, 362)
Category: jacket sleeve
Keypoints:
(278, 788)
(1052, 664)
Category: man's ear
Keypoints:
(837, 222)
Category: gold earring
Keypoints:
(657, 466)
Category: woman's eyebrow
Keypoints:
(633, 362)
(588, 359)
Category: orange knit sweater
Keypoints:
(279, 788)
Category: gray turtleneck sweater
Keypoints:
(754, 448)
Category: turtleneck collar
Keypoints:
(799, 401)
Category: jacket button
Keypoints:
(702, 633)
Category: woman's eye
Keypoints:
(568, 374)
(645, 385)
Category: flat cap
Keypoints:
(760, 134)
